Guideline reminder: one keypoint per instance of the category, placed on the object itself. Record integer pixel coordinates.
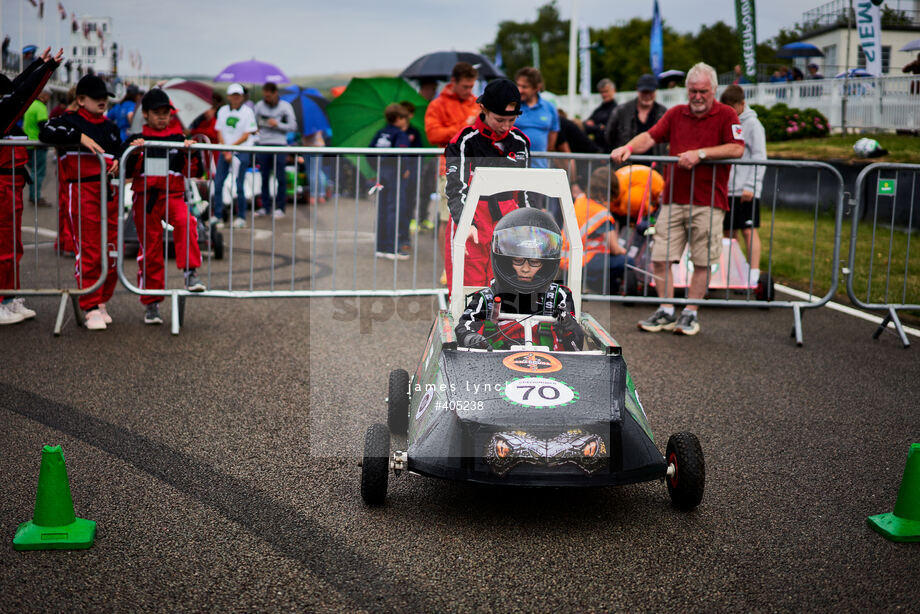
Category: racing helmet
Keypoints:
(526, 233)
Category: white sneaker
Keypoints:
(278, 214)
(19, 306)
(8, 316)
(261, 212)
(94, 320)
(105, 314)
(239, 223)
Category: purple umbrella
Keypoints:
(252, 71)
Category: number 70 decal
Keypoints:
(539, 392)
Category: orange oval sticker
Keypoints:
(532, 362)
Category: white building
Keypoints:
(826, 28)
(91, 41)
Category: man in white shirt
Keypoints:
(236, 125)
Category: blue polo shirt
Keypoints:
(537, 122)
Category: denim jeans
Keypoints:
(392, 214)
(595, 269)
(273, 164)
(220, 176)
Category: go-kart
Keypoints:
(524, 414)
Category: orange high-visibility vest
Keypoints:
(591, 216)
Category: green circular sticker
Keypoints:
(539, 392)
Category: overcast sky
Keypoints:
(309, 37)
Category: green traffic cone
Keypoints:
(903, 524)
(54, 526)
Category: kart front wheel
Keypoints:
(375, 468)
(398, 402)
(686, 470)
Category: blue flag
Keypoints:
(655, 51)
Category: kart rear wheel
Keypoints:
(375, 468)
(686, 482)
(398, 402)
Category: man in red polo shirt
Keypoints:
(702, 130)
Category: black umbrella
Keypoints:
(438, 65)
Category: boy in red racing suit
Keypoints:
(89, 128)
(525, 252)
(158, 178)
(492, 141)
(15, 98)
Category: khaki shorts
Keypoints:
(443, 211)
(705, 234)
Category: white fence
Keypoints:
(873, 103)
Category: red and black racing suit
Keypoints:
(15, 98)
(474, 146)
(80, 171)
(557, 299)
(159, 196)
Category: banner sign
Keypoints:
(584, 58)
(655, 47)
(869, 27)
(747, 37)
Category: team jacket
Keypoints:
(156, 168)
(479, 144)
(22, 91)
(476, 318)
(82, 164)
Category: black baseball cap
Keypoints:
(155, 99)
(94, 87)
(647, 83)
(498, 95)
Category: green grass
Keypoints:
(901, 148)
(798, 234)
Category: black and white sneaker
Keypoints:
(687, 324)
(192, 283)
(658, 321)
(152, 314)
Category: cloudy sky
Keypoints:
(310, 37)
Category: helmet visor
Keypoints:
(527, 242)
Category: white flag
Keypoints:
(869, 27)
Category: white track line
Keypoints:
(844, 309)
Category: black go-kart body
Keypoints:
(522, 413)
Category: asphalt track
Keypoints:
(221, 467)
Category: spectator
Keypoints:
(123, 112)
(421, 179)
(491, 141)
(539, 120)
(912, 68)
(68, 66)
(428, 88)
(236, 125)
(275, 118)
(454, 109)
(739, 75)
(746, 182)
(605, 259)
(525, 258)
(16, 97)
(206, 126)
(316, 176)
(572, 139)
(596, 124)
(34, 118)
(796, 74)
(813, 72)
(703, 129)
(637, 116)
(159, 199)
(392, 210)
(6, 51)
(89, 128)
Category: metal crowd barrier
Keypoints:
(815, 187)
(314, 250)
(44, 269)
(331, 250)
(886, 198)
